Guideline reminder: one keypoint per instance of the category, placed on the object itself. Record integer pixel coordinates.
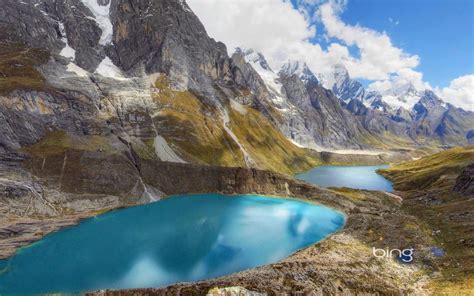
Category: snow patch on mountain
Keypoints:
(299, 69)
(102, 18)
(269, 77)
(67, 51)
(238, 107)
(73, 68)
(107, 68)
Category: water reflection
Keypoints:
(359, 177)
(184, 238)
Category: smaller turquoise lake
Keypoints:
(182, 238)
(358, 177)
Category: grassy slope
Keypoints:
(423, 173)
(197, 137)
(17, 67)
(427, 188)
(267, 145)
(196, 132)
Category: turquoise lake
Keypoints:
(182, 238)
(358, 177)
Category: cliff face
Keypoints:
(141, 76)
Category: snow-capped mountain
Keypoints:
(306, 110)
(343, 86)
(269, 77)
(405, 97)
(299, 69)
(306, 102)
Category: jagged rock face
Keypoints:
(143, 37)
(255, 73)
(139, 78)
(436, 119)
(470, 136)
(165, 36)
(312, 116)
(346, 88)
(356, 107)
(465, 181)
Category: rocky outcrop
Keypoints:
(465, 181)
(346, 88)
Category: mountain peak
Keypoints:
(343, 86)
(340, 70)
(254, 57)
(298, 68)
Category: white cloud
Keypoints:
(272, 27)
(281, 32)
(378, 56)
(403, 79)
(460, 92)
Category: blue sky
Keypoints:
(439, 31)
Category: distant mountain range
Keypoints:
(412, 116)
(143, 78)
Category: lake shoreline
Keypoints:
(292, 223)
(200, 179)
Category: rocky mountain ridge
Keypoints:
(141, 76)
(421, 114)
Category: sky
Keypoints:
(385, 44)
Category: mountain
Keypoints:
(144, 78)
(343, 86)
(299, 69)
(140, 79)
(417, 116)
(304, 111)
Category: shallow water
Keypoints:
(358, 177)
(183, 238)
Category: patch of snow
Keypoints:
(67, 51)
(269, 77)
(404, 101)
(102, 18)
(71, 67)
(184, 5)
(249, 162)
(355, 152)
(238, 107)
(107, 68)
(165, 152)
(296, 143)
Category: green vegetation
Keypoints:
(17, 67)
(266, 145)
(197, 133)
(427, 186)
(193, 128)
(58, 142)
(424, 172)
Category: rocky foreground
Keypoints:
(43, 195)
(39, 195)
